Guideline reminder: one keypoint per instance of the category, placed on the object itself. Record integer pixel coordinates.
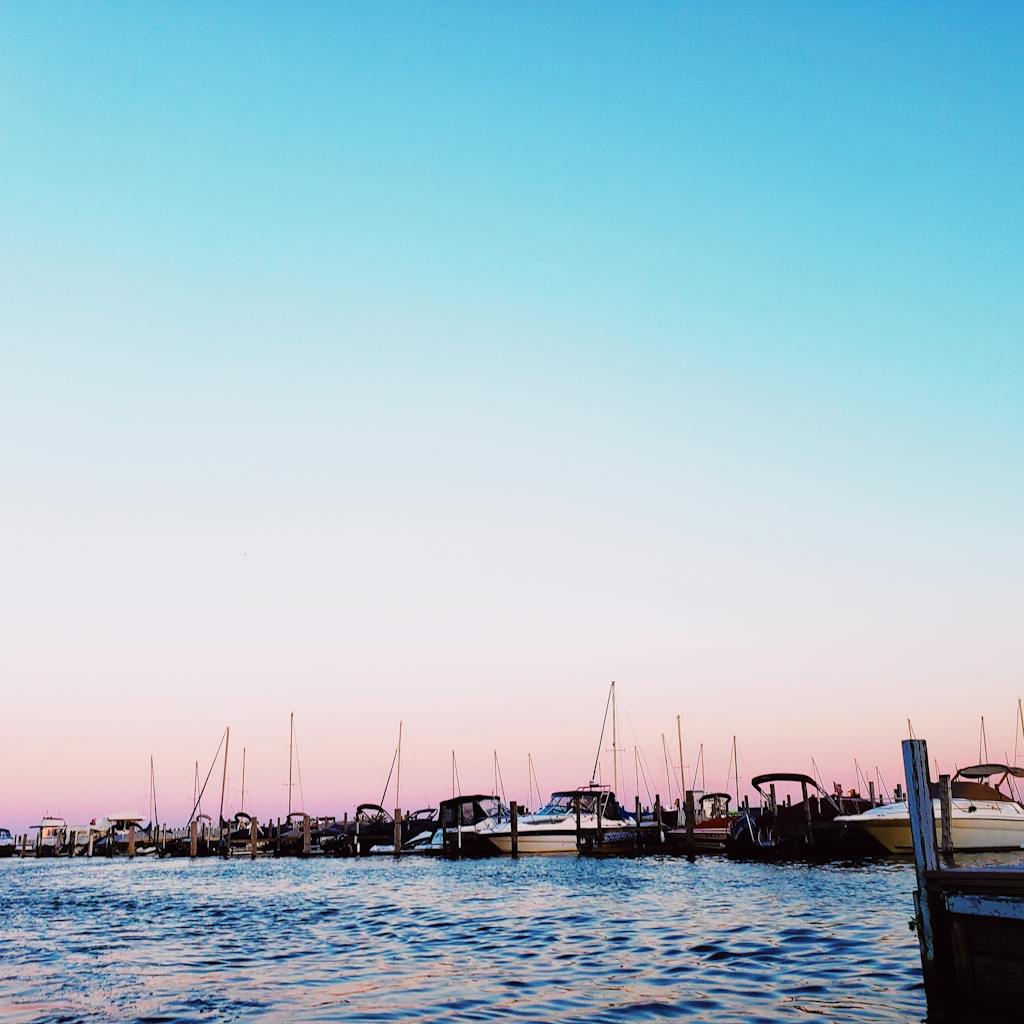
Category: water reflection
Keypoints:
(537, 939)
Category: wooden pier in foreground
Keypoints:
(970, 921)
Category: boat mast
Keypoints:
(197, 799)
(682, 768)
(291, 744)
(600, 739)
(243, 778)
(736, 768)
(224, 776)
(703, 771)
(615, 752)
(983, 744)
(152, 789)
(398, 773)
(668, 774)
(453, 774)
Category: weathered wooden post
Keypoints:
(637, 814)
(74, 841)
(771, 800)
(808, 825)
(926, 854)
(193, 838)
(690, 845)
(39, 842)
(92, 836)
(24, 844)
(254, 830)
(514, 825)
(658, 818)
(131, 839)
(398, 832)
(597, 835)
(307, 844)
(579, 830)
(277, 839)
(358, 850)
(946, 812)
(871, 792)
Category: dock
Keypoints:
(969, 921)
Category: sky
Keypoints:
(442, 363)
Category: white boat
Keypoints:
(983, 818)
(553, 828)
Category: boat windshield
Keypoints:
(492, 808)
(558, 806)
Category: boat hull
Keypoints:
(969, 835)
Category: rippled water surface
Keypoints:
(556, 939)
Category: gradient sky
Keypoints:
(444, 362)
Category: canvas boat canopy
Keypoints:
(984, 771)
(760, 780)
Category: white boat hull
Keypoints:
(989, 828)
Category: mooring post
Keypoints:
(514, 826)
(193, 838)
(74, 840)
(597, 834)
(306, 839)
(690, 844)
(808, 823)
(871, 792)
(926, 854)
(658, 818)
(24, 844)
(357, 835)
(398, 831)
(277, 839)
(579, 830)
(771, 800)
(131, 840)
(637, 814)
(254, 831)
(946, 812)
(88, 851)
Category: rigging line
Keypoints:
(821, 782)
(643, 775)
(298, 770)
(643, 756)
(600, 741)
(501, 781)
(455, 769)
(881, 785)
(383, 795)
(213, 764)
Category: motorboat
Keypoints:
(804, 830)
(554, 828)
(115, 834)
(468, 822)
(982, 818)
(50, 836)
(6, 843)
(711, 826)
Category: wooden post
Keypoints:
(807, 814)
(772, 801)
(898, 793)
(514, 827)
(690, 846)
(636, 812)
(88, 851)
(131, 839)
(277, 839)
(926, 854)
(658, 818)
(871, 792)
(597, 835)
(579, 830)
(946, 811)
(306, 842)
(24, 845)
(193, 838)
(398, 832)
(74, 840)
(358, 851)
(253, 837)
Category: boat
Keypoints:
(467, 823)
(553, 829)
(806, 830)
(6, 843)
(50, 836)
(113, 834)
(983, 817)
(712, 823)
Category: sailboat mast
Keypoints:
(291, 744)
(983, 743)
(224, 775)
(736, 768)
(682, 767)
(243, 778)
(615, 753)
(398, 772)
(453, 774)
(196, 798)
(152, 789)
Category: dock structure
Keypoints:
(970, 921)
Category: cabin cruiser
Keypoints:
(113, 834)
(468, 822)
(798, 831)
(6, 843)
(983, 817)
(553, 828)
(50, 836)
(712, 822)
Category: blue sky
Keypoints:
(513, 349)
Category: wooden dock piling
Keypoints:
(808, 822)
(637, 815)
(92, 836)
(579, 829)
(946, 818)
(398, 832)
(254, 831)
(131, 840)
(658, 818)
(690, 815)
(306, 838)
(193, 838)
(514, 826)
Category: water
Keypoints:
(539, 939)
